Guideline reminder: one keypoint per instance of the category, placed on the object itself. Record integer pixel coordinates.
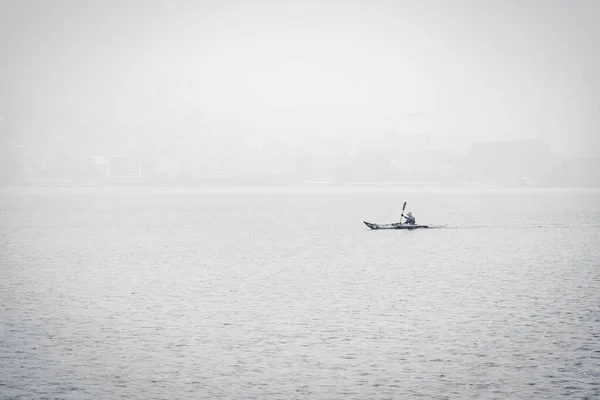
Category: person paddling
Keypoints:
(410, 220)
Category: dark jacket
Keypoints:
(410, 220)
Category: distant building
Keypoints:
(124, 169)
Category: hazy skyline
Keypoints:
(455, 70)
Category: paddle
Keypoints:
(402, 215)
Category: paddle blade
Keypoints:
(403, 207)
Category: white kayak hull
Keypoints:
(401, 226)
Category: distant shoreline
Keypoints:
(71, 184)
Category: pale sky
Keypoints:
(456, 70)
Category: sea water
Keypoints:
(283, 293)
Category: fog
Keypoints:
(310, 77)
(320, 199)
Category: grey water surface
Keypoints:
(152, 293)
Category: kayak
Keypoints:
(400, 226)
